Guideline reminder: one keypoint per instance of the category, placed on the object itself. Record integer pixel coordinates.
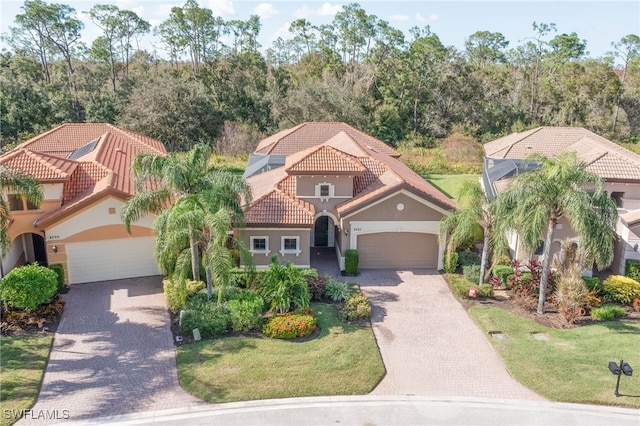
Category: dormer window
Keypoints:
(324, 191)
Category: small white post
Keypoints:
(196, 335)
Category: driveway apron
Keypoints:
(112, 354)
(429, 344)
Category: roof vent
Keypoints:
(119, 150)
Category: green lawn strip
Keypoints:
(572, 366)
(449, 184)
(343, 360)
(22, 363)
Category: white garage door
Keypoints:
(398, 250)
(111, 259)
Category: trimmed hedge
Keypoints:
(351, 261)
(29, 286)
(177, 292)
(466, 258)
(451, 263)
(608, 312)
(471, 272)
(632, 269)
(289, 326)
(210, 318)
(357, 307)
(59, 270)
(461, 287)
(618, 288)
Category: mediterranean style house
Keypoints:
(619, 167)
(84, 169)
(327, 184)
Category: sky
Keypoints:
(598, 22)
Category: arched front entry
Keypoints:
(323, 235)
(28, 248)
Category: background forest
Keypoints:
(215, 84)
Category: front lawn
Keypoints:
(22, 363)
(343, 360)
(571, 365)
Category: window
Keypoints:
(540, 248)
(259, 245)
(15, 202)
(290, 245)
(324, 191)
(31, 206)
(617, 197)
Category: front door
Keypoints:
(321, 232)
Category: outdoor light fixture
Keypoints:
(54, 248)
(346, 232)
(635, 248)
(619, 370)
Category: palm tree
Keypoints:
(163, 180)
(14, 182)
(461, 225)
(535, 201)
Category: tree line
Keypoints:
(214, 83)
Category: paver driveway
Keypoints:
(112, 354)
(429, 344)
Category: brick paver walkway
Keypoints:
(429, 344)
(112, 354)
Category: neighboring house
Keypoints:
(619, 167)
(85, 171)
(327, 184)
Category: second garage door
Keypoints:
(111, 259)
(398, 250)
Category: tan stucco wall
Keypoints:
(631, 190)
(274, 235)
(305, 185)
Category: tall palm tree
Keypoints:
(461, 225)
(535, 201)
(14, 182)
(164, 180)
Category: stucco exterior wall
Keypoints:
(274, 245)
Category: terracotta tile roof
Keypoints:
(66, 138)
(375, 169)
(310, 134)
(288, 185)
(44, 167)
(86, 175)
(278, 208)
(95, 171)
(323, 159)
(605, 158)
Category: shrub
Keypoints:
(570, 296)
(471, 272)
(317, 286)
(632, 269)
(177, 291)
(608, 312)
(211, 318)
(451, 263)
(27, 287)
(594, 284)
(351, 261)
(503, 272)
(285, 287)
(468, 258)
(59, 270)
(620, 289)
(289, 326)
(461, 287)
(357, 307)
(337, 291)
(245, 311)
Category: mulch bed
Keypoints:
(42, 322)
(526, 308)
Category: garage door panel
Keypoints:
(111, 259)
(398, 250)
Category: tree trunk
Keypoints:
(546, 262)
(485, 255)
(195, 259)
(210, 283)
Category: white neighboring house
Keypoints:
(85, 171)
(619, 167)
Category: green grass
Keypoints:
(22, 363)
(343, 360)
(572, 366)
(450, 184)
